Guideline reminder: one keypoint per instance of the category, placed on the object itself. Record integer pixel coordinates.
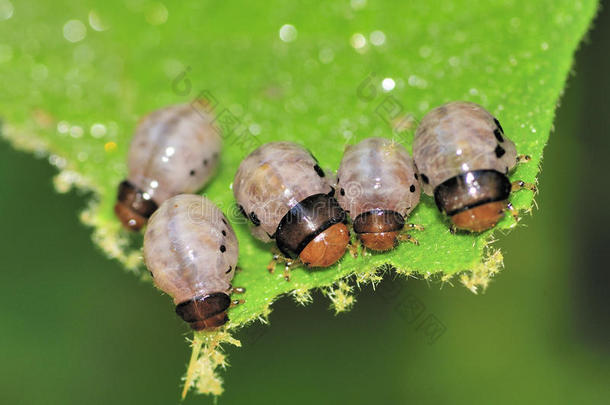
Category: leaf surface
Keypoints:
(77, 76)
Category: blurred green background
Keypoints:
(77, 329)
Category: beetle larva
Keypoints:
(191, 252)
(283, 191)
(378, 187)
(174, 150)
(463, 158)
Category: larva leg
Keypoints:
(278, 257)
(414, 227)
(407, 237)
(236, 290)
(287, 267)
(273, 263)
(523, 158)
(512, 211)
(353, 245)
(235, 303)
(520, 185)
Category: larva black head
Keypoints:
(474, 200)
(378, 229)
(314, 230)
(209, 311)
(132, 208)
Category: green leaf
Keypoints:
(78, 75)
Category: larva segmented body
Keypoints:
(191, 250)
(378, 187)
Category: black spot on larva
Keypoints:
(498, 135)
(319, 170)
(416, 176)
(224, 233)
(499, 151)
(412, 188)
(192, 173)
(498, 124)
(228, 271)
(242, 211)
(224, 221)
(425, 178)
(254, 219)
(342, 191)
(223, 248)
(506, 170)
(205, 162)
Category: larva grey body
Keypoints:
(377, 174)
(457, 138)
(191, 251)
(283, 191)
(464, 158)
(378, 187)
(174, 150)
